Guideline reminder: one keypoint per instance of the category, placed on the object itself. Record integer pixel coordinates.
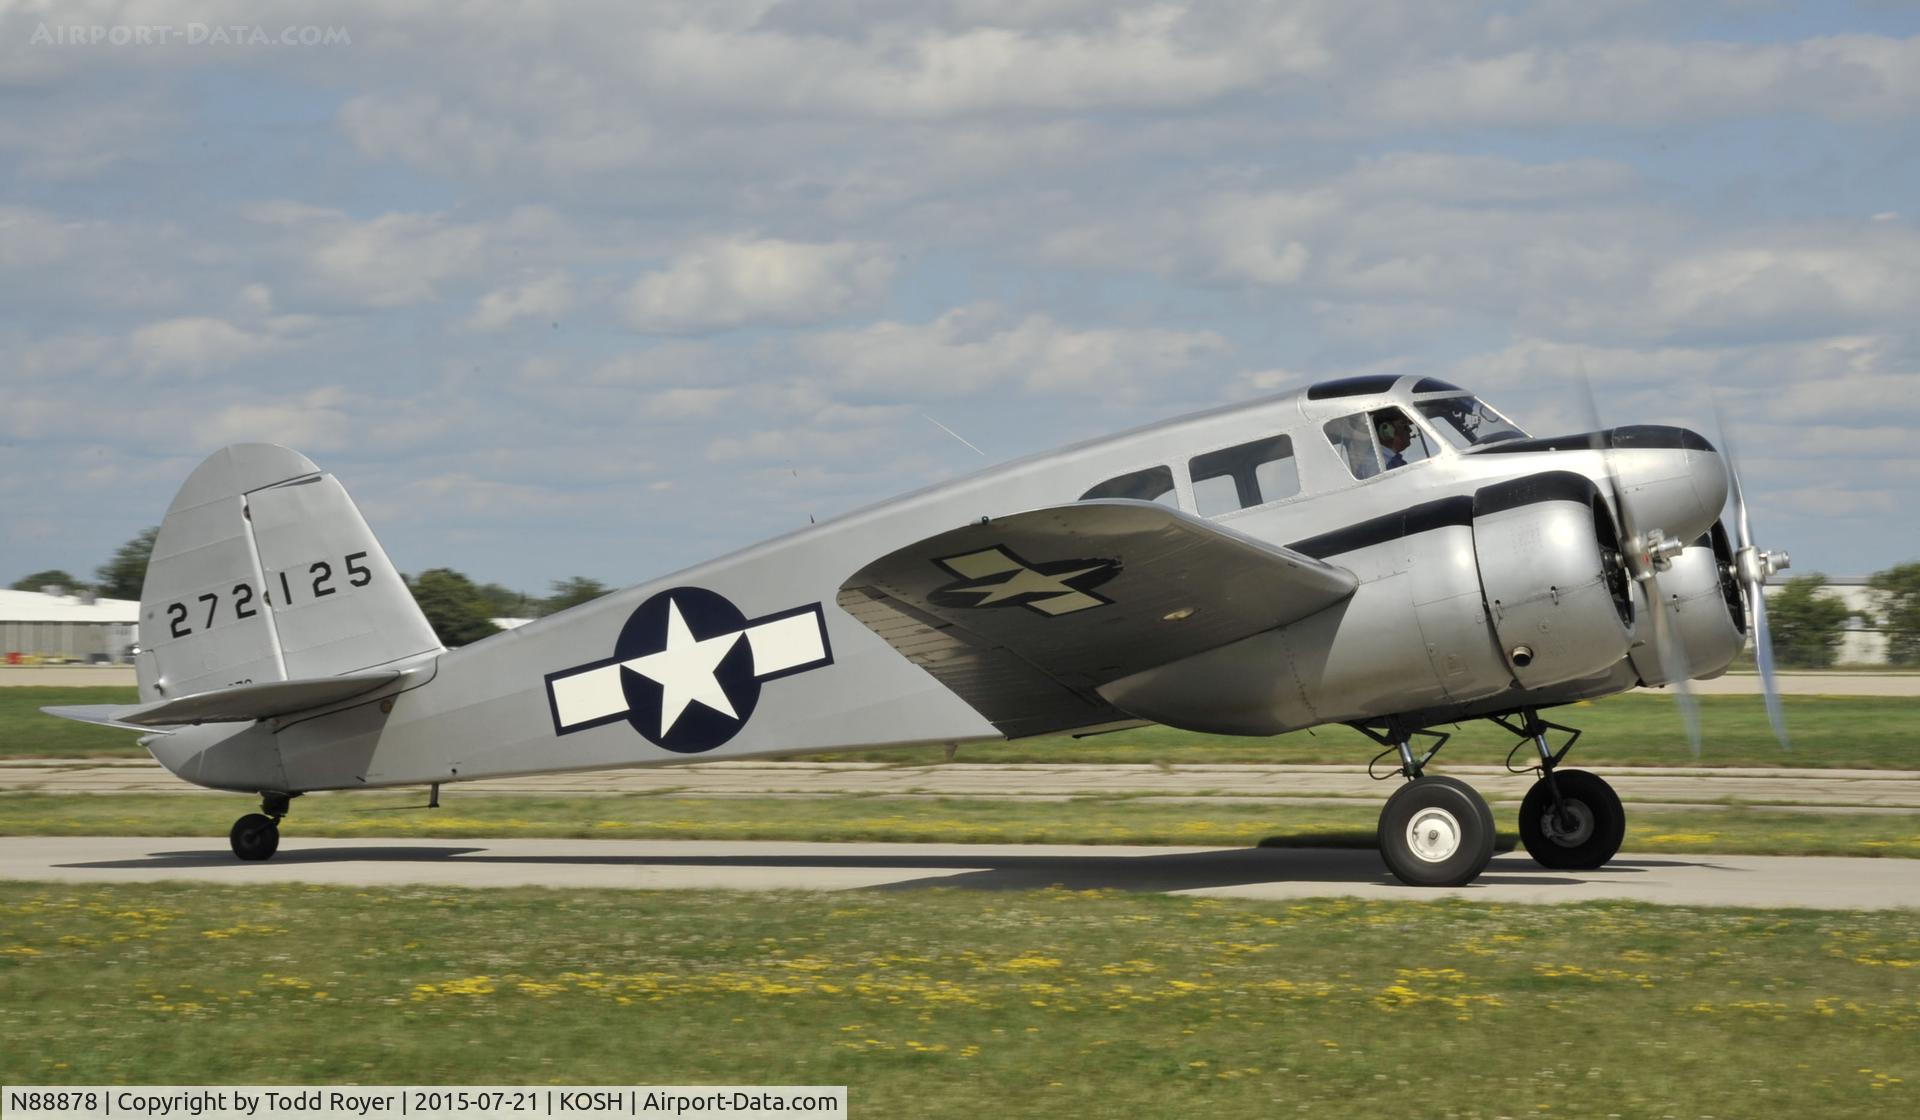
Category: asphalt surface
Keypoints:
(1643, 788)
(1270, 873)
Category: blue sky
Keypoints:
(607, 289)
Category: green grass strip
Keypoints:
(1642, 730)
(965, 1004)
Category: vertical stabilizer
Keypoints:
(265, 571)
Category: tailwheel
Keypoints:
(1585, 829)
(255, 836)
(1436, 832)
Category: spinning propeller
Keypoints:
(1646, 551)
(1751, 567)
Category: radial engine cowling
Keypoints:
(1549, 557)
(1705, 612)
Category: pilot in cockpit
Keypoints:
(1396, 433)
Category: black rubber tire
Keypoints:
(1603, 822)
(1472, 823)
(255, 836)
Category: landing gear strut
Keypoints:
(256, 836)
(1570, 820)
(1434, 831)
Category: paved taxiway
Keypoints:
(1266, 873)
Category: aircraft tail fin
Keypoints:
(264, 570)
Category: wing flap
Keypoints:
(239, 704)
(1024, 616)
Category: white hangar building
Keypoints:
(69, 626)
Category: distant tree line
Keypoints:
(1807, 627)
(460, 610)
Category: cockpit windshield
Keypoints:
(1468, 422)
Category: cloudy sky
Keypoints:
(608, 290)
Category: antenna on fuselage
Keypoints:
(954, 434)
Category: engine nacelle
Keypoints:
(1522, 582)
(1560, 600)
(1705, 613)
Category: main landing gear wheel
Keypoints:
(255, 836)
(1586, 836)
(1436, 832)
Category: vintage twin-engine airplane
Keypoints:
(1388, 553)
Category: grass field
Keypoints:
(1640, 730)
(945, 820)
(968, 1004)
(25, 731)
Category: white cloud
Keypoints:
(31, 238)
(1798, 284)
(315, 421)
(802, 444)
(1641, 82)
(979, 347)
(739, 282)
(686, 403)
(78, 137)
(542, 297)
(394, 260)
(195, 345)
(576, 135)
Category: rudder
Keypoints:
(264, 570)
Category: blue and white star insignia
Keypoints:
(687, 669)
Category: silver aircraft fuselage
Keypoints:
(1479, 590)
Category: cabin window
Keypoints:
(1251, 474)
(1350, 437)
(1155, 484)
(1382, 440)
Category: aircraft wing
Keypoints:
(1025, 616)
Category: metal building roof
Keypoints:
(31, 606)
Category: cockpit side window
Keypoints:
(1382, 440)
(1155, 484)
(1250, 474)
(1468, 422)
(1350, 437)
(1401, 440)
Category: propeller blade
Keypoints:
(1751, 568)
(1673, 660)
(1597, 441)
(1667, 646)
(1763, 658)
(1742, 527)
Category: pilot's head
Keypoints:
(1395, 430)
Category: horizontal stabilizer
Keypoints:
(1025, 616)
(103, 714)
(239, 704)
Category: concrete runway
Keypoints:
(1265, 873)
